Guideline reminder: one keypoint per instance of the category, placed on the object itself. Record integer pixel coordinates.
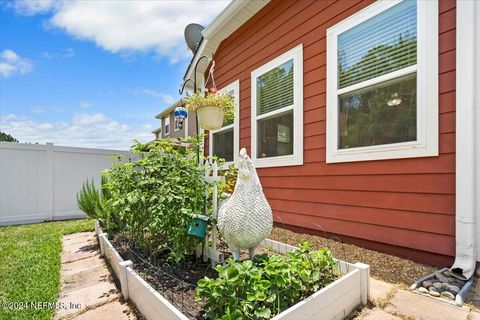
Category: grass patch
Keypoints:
(30, 265)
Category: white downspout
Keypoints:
(467, 140)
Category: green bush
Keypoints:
(88, 199)
(155, 197)
(266, 286)
(94, 203)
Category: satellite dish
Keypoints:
(193, 36)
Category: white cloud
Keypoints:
(67, 53)
(39, 110)
(125, 26)
(166, 98)
(83, 130)
(84, 104)
(88, 119)
(11, 63)
(31, 7)
(48, 55)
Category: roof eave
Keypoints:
(172, 107)
(228, 21)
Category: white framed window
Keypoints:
(166, 125)
(176, 127)
(277, 111)
(382, 83)
(225, 142)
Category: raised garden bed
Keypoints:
(158, 295)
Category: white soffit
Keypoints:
(230, 19)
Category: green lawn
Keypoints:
(30, 265)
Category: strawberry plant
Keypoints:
(265, 286)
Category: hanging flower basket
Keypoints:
(210, 117)
(212, 109)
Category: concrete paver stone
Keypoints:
(111, 311)
(420, 307)
(377, 314)
(87, 297)
(85, 278)
(379, 290)
(82, 265)
(89, 235)
(88, 291)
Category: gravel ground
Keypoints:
(382, 266)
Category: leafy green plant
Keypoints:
(230, 179)
(156, 196)
(94, 202)
(213, 98)
(265, 286)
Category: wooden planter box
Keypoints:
(335, 301)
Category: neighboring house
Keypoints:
(349, 110)
(170, 126)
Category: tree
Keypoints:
(365, 117)
(6, 137)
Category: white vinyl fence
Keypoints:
(40, 182)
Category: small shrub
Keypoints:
(266, 286)
(94, 203)
(88, 199)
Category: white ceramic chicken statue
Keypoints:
(246, 218)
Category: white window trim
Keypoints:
(427, 88)
(176, 127)
(185, 126)
(297, 157)
(166, 124)
(235, 87)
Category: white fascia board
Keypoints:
(229, 20)
(224, 17)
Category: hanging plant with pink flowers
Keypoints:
(213, 108)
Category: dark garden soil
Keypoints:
(177, 282)
(174, 281)
(382, 266)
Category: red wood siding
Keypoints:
(406, 204)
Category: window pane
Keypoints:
(380, 114)
(380, 45)
(275, 88)
(230, 121)
(223, 144)
(275, 135)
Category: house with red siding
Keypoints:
(361, 117)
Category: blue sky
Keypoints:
(92, 73)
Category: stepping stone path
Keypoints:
(88, 292)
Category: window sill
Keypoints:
(383, 152)
(280, 161)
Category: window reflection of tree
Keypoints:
(368, 116)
